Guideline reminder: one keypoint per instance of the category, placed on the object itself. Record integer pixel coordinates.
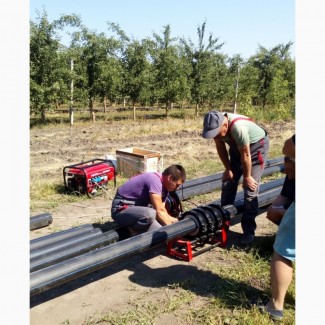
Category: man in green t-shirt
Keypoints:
(248, 149)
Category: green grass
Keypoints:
(240, 277)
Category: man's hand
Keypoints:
(250, 183)
(275, 213)
(227, 175)
(173, 220)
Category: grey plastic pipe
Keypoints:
(74, 249)
(62, 244)
(57, 236)
(78, 266)
(40, 221)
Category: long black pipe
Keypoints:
(40, 221)
(201, 180)
(189, 189)
(78, 266)
(57, 236)
(267, 193)
(64, 243)
(269, 190)
(72, 250)
(210, 183)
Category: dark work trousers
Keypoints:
(259, 152)
(138, 218)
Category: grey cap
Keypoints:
(212, 123)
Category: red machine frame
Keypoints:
(89, 176)
(187, 249)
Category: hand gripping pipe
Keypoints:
(210, 183)
(80, 265)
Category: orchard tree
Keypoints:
(95, 53)
(274, 76)
(201, 58)
(167, 64)
(234, 72)
(217, 90)
(47, 74)
(137, 73)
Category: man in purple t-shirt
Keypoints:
(139, 204)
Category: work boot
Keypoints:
(246, 239)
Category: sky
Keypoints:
(260, 24)
(243, 25)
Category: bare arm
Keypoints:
(222, 152)
(289, 148)
(162, 215)
(223, 155)
(276, 211)
(246, 161)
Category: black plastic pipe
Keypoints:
(267, 194)
(78, 266)
(193, 182)
(72, 250)
(62, 244)
(57, 236)
(213, 182)
(40, 221)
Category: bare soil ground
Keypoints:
(146, 276)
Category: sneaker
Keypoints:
(275, 314)
(246, 239)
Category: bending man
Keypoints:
(248, 149)
(139, 204)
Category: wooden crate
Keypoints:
(133, 161)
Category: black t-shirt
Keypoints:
(289, 190)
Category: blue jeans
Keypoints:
(259, 151)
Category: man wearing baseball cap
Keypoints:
(248, 147)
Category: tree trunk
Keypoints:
(71, 115)
(43, 115)
(197, 110)
(134, 116)
(105, 104)
(91, 108)
(166, 109)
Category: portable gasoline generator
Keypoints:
(89, 176)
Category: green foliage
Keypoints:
(162, 70)
(48, 74)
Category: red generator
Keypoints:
(89, 176)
